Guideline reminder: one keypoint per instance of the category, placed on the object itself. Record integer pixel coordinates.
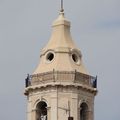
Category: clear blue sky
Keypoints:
(25, 27)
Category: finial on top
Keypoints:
(62, 10)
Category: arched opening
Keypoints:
(41, 111)
(84, 111)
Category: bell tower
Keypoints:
(60, 88)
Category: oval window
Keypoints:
(76, 58)
(50, 56)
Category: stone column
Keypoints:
(29, 110)
(74, 106)
(54, 106)
(90, 115)
(33, 115)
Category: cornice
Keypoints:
(60, 84)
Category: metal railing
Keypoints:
(61, 76)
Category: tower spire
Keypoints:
(62, 10)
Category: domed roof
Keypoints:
(61, 53)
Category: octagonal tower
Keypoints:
(60, 88)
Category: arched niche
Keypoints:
(84, 114)
(41, 111)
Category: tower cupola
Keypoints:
(61, 53)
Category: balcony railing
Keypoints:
(61, 76)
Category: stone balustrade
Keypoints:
(61, 76)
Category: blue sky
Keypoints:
(25, 27)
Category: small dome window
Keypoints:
(49, 56)
(76, 58)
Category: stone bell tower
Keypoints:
(60, 88)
